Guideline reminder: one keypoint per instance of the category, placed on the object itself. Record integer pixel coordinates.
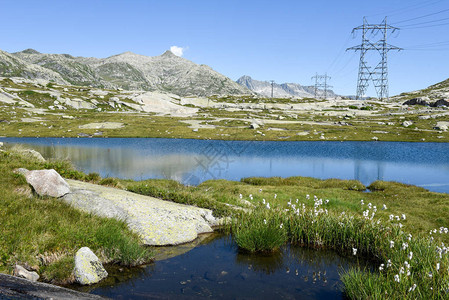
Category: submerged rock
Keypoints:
(47, 183)
(88, 268)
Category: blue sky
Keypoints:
(285, 41)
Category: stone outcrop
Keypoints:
(47, 183)
(442, 125)
(157, 222)
(417, 101)
(18, 288)
(88, 268)
(20, 271)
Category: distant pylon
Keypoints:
(379, 75)
(321, 82)
(272, 85)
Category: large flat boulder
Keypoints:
(47, 183)
(156, 221)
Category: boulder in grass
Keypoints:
(88, 268)
(20, 271)
(47, 183)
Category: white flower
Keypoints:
(241, 196)
(391, 244)
(404, 246)
(396, 278)
(409, 237)
(381, 267)
(361, 202)
(265, 221)
(430, 274)
(327, 201)
(438, 266)
(391, 217)
(410, 255)
(412, 288)
(282, 225)
(263, 201)
(403, 216)
(307, 196)
(398, 218)
(354, 251)
(275, 196)
(384, 207)
(268, 205)
(401, 270)
(389, 263)
(260, 190)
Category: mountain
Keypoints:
(167, 72)
(283, 90)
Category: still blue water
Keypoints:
(194, 161)
(216, 270)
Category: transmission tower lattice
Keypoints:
(321, 82)
(379, 75)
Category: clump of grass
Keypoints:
(110, 181)
(259, 231)
(93, 177)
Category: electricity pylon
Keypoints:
(379, 75)
(321, 82)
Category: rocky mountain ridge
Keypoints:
(130, 71)
(284, 90)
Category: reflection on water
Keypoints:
(194, 161)
(218, 270)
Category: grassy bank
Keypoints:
(400, 227)
(44, 233)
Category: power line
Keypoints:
(379, 75)
(420, 4)
(321, 82)
(439, 20)
(419, 27)
(424, 16)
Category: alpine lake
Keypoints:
(212, 266)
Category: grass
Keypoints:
(408, 267)
(45, 233)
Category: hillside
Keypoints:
(284, 90)
(130, 71)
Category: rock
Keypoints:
(424, 117)
(88, 268)
(254, 125)
(31, 153)
(47, 183)
(20, 271)
(114, 99)
(102, 125)
(443, 126)
(407, 123)
(68, 117)
(1, 144)
(440, 103)
(417, 101)
(375, 138)
(18, 288)
(157, 222)
(390, 123)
